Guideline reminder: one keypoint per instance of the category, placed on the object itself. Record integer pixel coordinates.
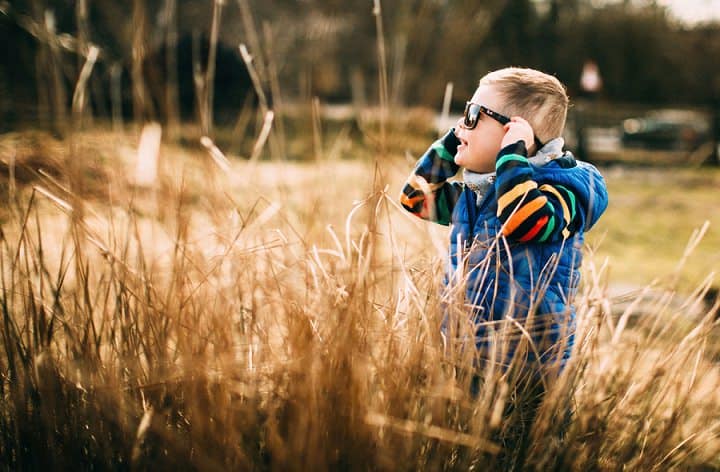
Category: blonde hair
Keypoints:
(538, 97)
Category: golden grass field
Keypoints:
(269, 315)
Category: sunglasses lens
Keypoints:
(472, 111)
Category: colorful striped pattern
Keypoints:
(527, 212)
(427, 194)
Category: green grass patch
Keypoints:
(650, 219)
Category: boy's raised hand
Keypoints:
(518, 129)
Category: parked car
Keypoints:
(678, 130)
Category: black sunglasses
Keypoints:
(472, 115)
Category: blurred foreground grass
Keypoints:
(284, 316)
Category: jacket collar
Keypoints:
(552, 150)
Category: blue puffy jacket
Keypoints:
(506, 279)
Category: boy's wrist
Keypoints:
(450, 142)
(518, 148)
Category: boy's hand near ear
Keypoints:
(518, 130)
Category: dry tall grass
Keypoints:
(260, 319)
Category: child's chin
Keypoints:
(460, 159)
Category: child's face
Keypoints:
(480, 146)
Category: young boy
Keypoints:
(518, 217)
(518, 224)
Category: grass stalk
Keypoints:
(445, 113)
(139, 52)
(209, 97)
(172, 99)
(382, 74)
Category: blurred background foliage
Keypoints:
(329, 49)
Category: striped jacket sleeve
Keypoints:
(530, 212)
(427, 193)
